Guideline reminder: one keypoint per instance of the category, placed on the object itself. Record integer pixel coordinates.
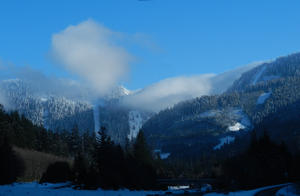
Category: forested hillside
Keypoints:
(206, 124)
(46, 109)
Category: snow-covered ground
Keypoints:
(288, 191)
(35, 189)
(245, 193)
(242, 121)
(237, 117)
(236, 127)
(224, 140)
(62, 189)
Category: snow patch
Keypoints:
(241, 120)
(236, 127)
(172, 188)
(262, 98)
(209, 114)
(43, 99)
(117, 93)
(96, 118)
(258, 75)
(162, 155)
(45, 116)
(223, 141)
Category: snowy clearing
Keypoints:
(164, 155)
(241, 120)
(236, 127)
(262, 98)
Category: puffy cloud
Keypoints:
(90, 51)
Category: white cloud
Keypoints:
(89, 50)
(170, 91)
(223, 81)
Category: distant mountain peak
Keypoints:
(118, 92)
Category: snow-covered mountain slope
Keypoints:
(58, 112)
(196, 126)
(52, 112)
(135, 123)
(117, 93)
(283, 67)
(121, 122)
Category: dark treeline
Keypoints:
(108, 166)
(265, 162)
(11, 165)
(113, 168)
(98, 161)
(22, 133)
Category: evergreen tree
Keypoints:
(80, 169)
(264, 163)
(74, 144)
(144, 165)
(141, 150)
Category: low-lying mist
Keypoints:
(154, 98)
(168, 92)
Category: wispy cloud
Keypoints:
(170, 91)
(90, 51)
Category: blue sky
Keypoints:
(179, 37)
